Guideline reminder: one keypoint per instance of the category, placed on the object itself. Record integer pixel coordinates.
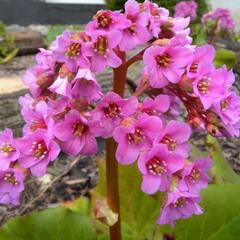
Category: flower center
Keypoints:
(195, 175)
(180, 202)
(112, 110)
(101, 45)
(10, 178)
(203, 85)
(163, 60)
(170, 142)
(37, 124)
(224, 105)
(6, 148)
(194, 68)
(132, 28)
(104, 20)
(39, 150)
(156, 166)
(74, 49)
(79, 128)
(136, 137)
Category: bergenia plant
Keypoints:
(186, 9)
(67, 109)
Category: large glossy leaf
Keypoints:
(221, 218)
(139, 211)
(224, 56)
(69, 222)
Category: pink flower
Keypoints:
(157, 106)
(186, 9)
(175, 135)
(11, 185)
(179, 205)
(222, 16)
(137, 32)
(228, 108)
(8, 149)
(157, 166)
(101, 49)
(135, 136)
(202, 55)
(76, 135)
(107, 20)
(86, 85)
(194, 175)
(37, 150)
(208, 84)
(70, 48)
(166, 64)
(110, 111)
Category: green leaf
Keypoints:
(224, 56)
(221, 170)
(139, 211)
(9, 56)
(221, 218)
(51, 224)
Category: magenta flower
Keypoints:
(175, 135)
(186, 9)
(111, 111)
(70, 48)
(107, 20)
(36, 117)
(137, 32)
(135, 136)
(222, 16)
(157, 166)
(166, 64)
(179, 205)
(228, 108)
(86, 85)
(202, 55)
(208, 85)
(37, 150)
(101, 49)
(8, 149)
(157, 106)
(194, 175)
(76, 135)
(11, 185)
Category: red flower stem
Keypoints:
(119, 79)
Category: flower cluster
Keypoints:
(67, 109)
(221, 16)
(186, 9)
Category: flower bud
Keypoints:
(186, 84)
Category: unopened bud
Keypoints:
(212, 118)
(212, 129)
(186, 84)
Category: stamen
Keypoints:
(101, 45)
(156, 166)
(10, 178)
(112, 110)
(73, 50)
(79, 128)
(170, 142)
(203, 85)
(180, 202)
(136, 137)
(163, 60)
(6, 148)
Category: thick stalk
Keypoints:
(119, 79)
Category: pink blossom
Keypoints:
(175, 135)
(194, 175)
(137, 32)
(11, 185)
(70, 48)
(166, 64)
(208, 84)
(86, 85)
(157, 166)
(107, 20)
(8, 149)
(75, 134)
(135, 136)
(37, 150)
(202, 55)
(101, 49)
(179, 205)
(222, 16)
(186, 9)
(157, 106)
(111, 111)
